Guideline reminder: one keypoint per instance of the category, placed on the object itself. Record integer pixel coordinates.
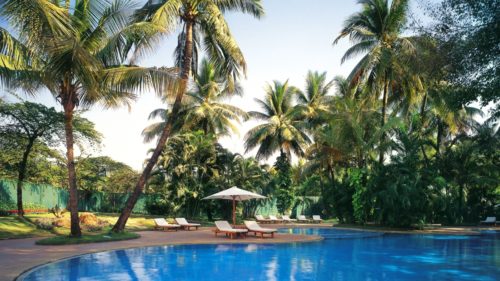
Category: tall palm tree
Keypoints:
(376, 31)
(313, 102)
(282, 130)
(202, 24)
(78, 54)
(203, 107)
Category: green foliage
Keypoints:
(35, 131)
(361, 199)
(283, 130)
(8, 208)
(104, 174)
(462, 28)
(159, 206)
(283, 184)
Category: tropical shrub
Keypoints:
(44, 223)
(159, 206)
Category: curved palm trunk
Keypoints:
(69, 107)
(22, 175)
(139, 187)
(384, 120)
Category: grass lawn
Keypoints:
(14, 227)
(103, 237)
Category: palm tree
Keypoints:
(202, 24)
(313, 102)
(282, 131)
(351, 131)
(376, 32)
(203, 108)
(78, 54)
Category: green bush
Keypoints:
(8, 208)
(159, 206)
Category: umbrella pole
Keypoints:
(234, 212)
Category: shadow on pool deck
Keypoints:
(19, 255)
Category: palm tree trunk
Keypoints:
(384, 120)
(139, 187)
(422, 117)
(422, 107)
(69, 106)
(22, 175)
(439, 137)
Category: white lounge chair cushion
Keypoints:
(287, 218)
(274, 218)
(302, 217)
(317, 218)
(254, 226)
(490, 220)
(184, 222)
(226, 227)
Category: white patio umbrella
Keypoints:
(235, 194)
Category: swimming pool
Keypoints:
(342, 255)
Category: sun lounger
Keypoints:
(254, 227)
(287, 219)
(261, 219)
(274, 219)
(161, 223)
(226, 228)
(185, 224)
(302, 218)
(317, 219)
(489, 220)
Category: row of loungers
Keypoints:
(220, 227)
(287, 219)
(251, 227)
(181, 223)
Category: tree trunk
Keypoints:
(439, 137)
(384, 119)
(422, 118)
(139, 187)
(22, 175)
(69, 106)
(422, 107)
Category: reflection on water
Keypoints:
(388, 257)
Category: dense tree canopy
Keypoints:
(402, 141)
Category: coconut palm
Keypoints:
(203, 27)
(282, 130)
(203, 107)
(313, 102)
(78, 54)
(155, 129)
(376, 32)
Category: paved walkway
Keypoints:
(18, 255)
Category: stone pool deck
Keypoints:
(18, 255)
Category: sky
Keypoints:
(293, 37)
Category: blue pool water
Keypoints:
(342, 255)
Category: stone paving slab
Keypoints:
(19, 255)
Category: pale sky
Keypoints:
(294, 36)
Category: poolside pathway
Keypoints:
(18, 255)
